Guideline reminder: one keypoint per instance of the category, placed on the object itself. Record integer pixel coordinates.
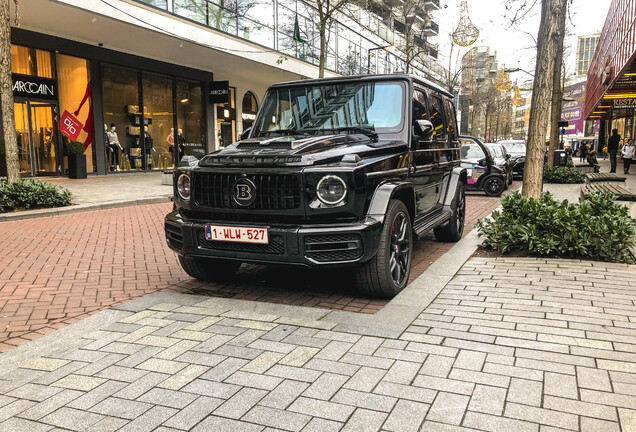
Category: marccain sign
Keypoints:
(30, 87)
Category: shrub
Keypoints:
(29, 194)
(563, 175)
(596, 228)
(74, 148)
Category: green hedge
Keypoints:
(30, 194)
(563, 175)
(596, 228)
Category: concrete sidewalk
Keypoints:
(513, 344)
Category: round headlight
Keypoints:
(331, 190)
(183, 187)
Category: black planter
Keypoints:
(77, 166)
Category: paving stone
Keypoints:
(279, 333)
(560, 385)
(364, 420)
(444, 384)
(365, 400)
(438, 366)
(269, 345)
(240, 403)
(618, 400)
(224, 369)
(492, 423)
(472, 360)
(192, 414)
(596, 425)
(150, 420)
(273, 417)
(140, 356)
(325, 386)
(45, 364)
(204, 359)
(366, 345)
(34, 392)
(332, 366)
(488, 399)
(525, 391)
(120, 373)
(299, 356)
(203, 323)
(402, 391)
(294, 373)
(183, 377)
(542, 416)
(285, 393)
(179, 348)
(167, 398)
(122, 408)
(162, 366)
(246, 338)
(365, 379)
(480, 377)
(79, 382)
(448, 408)
(211, 388)
(15, 424)
(363, 360)
(627, 419)
(141, 386)
(323, 409)
(513, 371)
(213, 343)
(238, 351)
(263, 362)
(247, 379)
(101, 364)
(69, 418)
(220, 424)
(407, 416)
(321, 425)
(402, 372)
(580, 408)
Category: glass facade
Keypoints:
(190, 124)
(226, 121)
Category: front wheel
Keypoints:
(209, 269)
(387, 273)
(494, 186)
(453, 230)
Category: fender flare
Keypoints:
(385, 193)
(457, 175)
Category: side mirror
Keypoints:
(246, 133)
(483, 162)
(424, 129)
(508, 156)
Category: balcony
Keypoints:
(431, 29)
(432, 4)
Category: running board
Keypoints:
(435, 218)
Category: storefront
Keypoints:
(131, 113)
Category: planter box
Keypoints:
(77, 166)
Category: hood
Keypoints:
(289, 150)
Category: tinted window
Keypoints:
(452, 122)
(496, 151)
(437, 117)
(419, 106)
(472, 151)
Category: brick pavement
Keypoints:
(54, 271)
(513, 344)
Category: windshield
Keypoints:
(472, 151)
(514, 147)
(374, 106)
(496, 151)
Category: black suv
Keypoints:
(335, 172)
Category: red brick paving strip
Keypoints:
(57, 270)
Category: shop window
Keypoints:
(31, 61)
(153, 136)
(122, 118)
(250, 108)
(190, 119)
(75, 96)
(226, 120)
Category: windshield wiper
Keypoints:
(370, 133)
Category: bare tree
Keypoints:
(411, 20)
(550, 40)
(6, 84)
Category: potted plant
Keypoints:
(76, 160)
(3, 160)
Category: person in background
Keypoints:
(583, 148)
(612, 148)
(592, 161)
(627, 153)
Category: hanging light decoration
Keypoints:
(503, 82)
(516, 100)
(466, 33)
(526, 116)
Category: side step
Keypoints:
(434, 218)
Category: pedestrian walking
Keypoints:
(627, 153)
(612, 148)
(583, 149)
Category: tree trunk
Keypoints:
(6, 84)
(548, 42)
(322, 27)
(557, 93)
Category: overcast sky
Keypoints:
(514, 45)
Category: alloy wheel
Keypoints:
(400, 249)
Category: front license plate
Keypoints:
(236, 234)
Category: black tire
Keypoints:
(494, 186)
(208, 269)
(453, 230)
(510, 177)
(387, 273)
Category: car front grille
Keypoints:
(276, 245)
(333, 247)
(273, 192)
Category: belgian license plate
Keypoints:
(236, 234)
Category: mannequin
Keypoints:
(115, 146)
(149, 144)
(181, 140)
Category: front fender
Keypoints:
(402, 190)
(457, 175)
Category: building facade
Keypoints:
(585, 48)
(143, 82)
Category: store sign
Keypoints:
(70, 126)
(249, 117)
(219, 92)
(624, 103)
(34, 87)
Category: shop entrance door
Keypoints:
(37, 138)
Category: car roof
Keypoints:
(511, 142)
(375, 77)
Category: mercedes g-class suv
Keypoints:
(341, 172)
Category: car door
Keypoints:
(425, 157)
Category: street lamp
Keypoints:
(386, 47)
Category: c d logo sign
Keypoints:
(244, 192)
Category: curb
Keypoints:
(40, 213)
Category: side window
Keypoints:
(452, 121)
(420, 112)
(437, 117)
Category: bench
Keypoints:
(586, 168)
(604, 178)
(623, 195)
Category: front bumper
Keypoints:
(319, 245)
(517, 166)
